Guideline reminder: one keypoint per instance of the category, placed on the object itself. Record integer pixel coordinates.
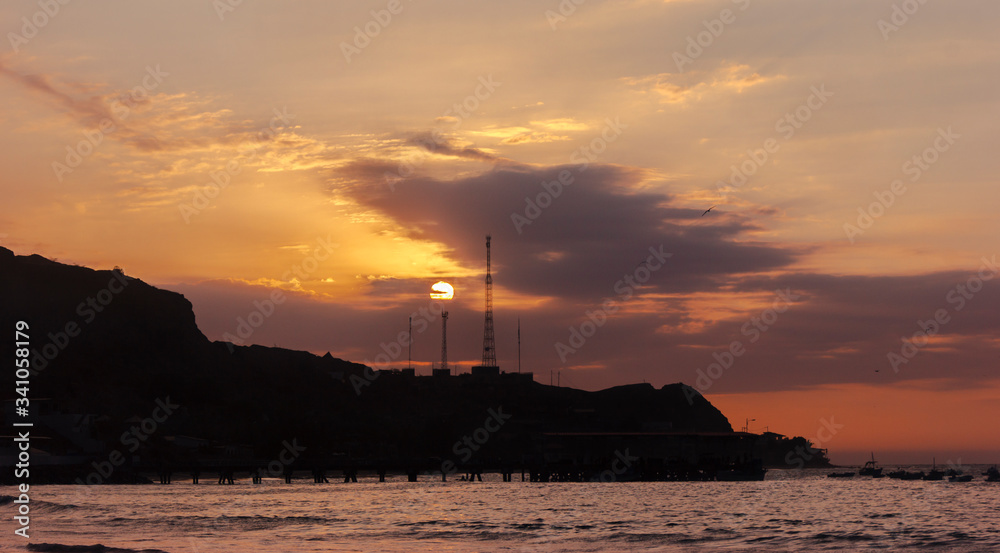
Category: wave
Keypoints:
(98, 548)
(227, 522)
(38, 504)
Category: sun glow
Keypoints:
(442, 291)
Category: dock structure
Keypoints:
(546, 457)
(541, 472)
(617, 466)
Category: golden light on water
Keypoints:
(442, 291)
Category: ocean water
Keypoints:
(788, 511)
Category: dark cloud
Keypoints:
(593, 232)
(438, 144)
(91, 110)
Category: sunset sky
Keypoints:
(352, 154)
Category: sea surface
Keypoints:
(789, 511)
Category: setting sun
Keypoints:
(442, 291)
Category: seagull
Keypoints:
(707, 210)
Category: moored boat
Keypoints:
(871, 468)
(934, 473)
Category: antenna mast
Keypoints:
(489, 351)
(444, 340)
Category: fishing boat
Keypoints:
(960, 478)
(841, 475)
(934, 473)
(992, 474)
(871, 468)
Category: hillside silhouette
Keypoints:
(107, 347)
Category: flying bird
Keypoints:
(707, 210)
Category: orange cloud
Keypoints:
(693, 86)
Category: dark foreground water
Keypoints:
(789, 511)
